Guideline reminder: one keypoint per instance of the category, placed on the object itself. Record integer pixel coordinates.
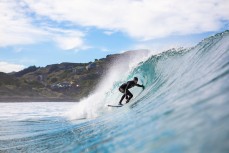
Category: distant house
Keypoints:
(91, 66)
(78, 70)
(64, 85)
(61, 85)
(41, 78)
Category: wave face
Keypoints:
(184, 108)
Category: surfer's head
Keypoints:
(135, 79)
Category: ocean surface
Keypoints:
(183, 109)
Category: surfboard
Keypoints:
(114, 105)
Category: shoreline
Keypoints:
(37, 99)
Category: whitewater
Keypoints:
(183, 109)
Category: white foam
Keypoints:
(107, 90)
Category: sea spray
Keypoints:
(106, 91)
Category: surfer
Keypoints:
(124, 89)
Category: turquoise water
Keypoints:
(184, 108)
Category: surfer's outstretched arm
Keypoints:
(140, 86)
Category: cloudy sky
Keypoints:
(42, 32)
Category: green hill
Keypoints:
(56, 82)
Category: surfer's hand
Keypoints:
(143, 87)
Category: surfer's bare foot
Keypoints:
(127, 100)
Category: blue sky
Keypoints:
(47, 32)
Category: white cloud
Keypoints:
(140, 19)
(17, 28)
(68, 39)
(103, 49)
(68, 43)
(146, 19)
(109, 32)
(161, 47)
(10, 67)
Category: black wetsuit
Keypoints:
(124, 89)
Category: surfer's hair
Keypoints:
(135, 78)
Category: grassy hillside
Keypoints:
(56, 82)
